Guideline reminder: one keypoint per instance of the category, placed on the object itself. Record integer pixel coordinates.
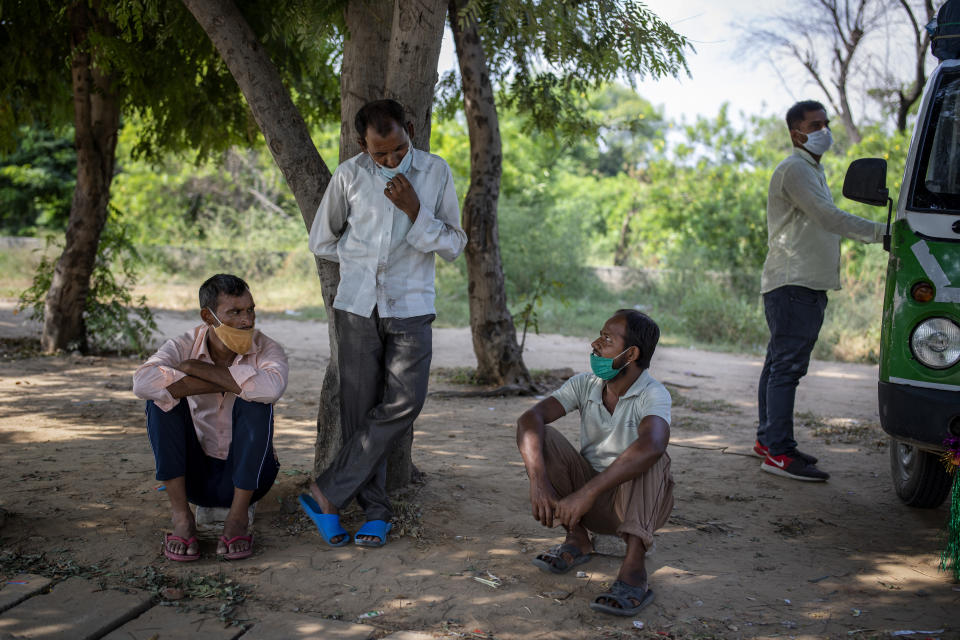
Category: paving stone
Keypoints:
(172, 623)
(15, 590)
(292, 626)
(410, 635)
(76, 609)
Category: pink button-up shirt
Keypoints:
(261, 374)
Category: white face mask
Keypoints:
(403, 167)
(819, 141)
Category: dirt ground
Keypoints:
(744, 555)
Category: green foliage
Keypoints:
(164, 68)
(36, 182)
(115, 322)
(544, 57)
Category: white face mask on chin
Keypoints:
(818, 141)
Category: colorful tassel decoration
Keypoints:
(950, 558)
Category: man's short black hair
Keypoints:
(642, 333)
(220, 284)
(381, 115)
(799, 111)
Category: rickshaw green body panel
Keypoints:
(920, 405)
(920, 415)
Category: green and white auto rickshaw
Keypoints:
(919, 386)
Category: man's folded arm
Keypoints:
(153, 378)
(266, 381)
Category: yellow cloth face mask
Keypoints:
(237, 340)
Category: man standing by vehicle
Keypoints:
(804, 228)
(385, 214)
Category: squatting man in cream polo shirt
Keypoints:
(804, 228)
(619, 481)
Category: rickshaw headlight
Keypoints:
(935, 342)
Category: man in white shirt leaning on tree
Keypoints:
(384, 215)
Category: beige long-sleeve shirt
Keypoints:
(804, 227)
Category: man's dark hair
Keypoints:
(220, 284)
(642, 333)
(381, 115)
(799, 111)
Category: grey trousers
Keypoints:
(384, 370)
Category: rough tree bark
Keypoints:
(401, 39)
(620, 254)
(499, 358)
(96, 122)
(407, 34)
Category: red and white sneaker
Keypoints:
(762, 452)
(791, 465)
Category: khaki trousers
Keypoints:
(637, 507)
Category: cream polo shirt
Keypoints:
(603, 436)
(804, 227)
(387, 262)
(261, 374)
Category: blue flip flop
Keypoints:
(376, 528)
(328, 524)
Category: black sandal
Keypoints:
(553, 561)
(630, 599)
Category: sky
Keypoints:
(718, 75)
(718, 72)
(715, 76)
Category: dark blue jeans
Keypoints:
(794, 315)
(250, 464)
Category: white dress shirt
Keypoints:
(804, 227)
(386, 262)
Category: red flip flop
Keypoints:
(237, 555)
(180, 557)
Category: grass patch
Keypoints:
(842, 430)
(692, 310)
(690, 423)
(678, 399)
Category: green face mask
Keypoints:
(603, 367)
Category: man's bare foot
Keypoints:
(185, 527)
(233, 527)
(327, 507)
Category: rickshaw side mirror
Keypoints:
(866, 181)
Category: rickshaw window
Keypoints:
(936, 185)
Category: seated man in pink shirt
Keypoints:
(210, 395)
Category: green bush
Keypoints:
(115, 322)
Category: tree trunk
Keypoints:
(407, 34)
(403, 41)
(297, 157)
(96, 120)
(499, 359)
(406, 37)
(620, 254)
